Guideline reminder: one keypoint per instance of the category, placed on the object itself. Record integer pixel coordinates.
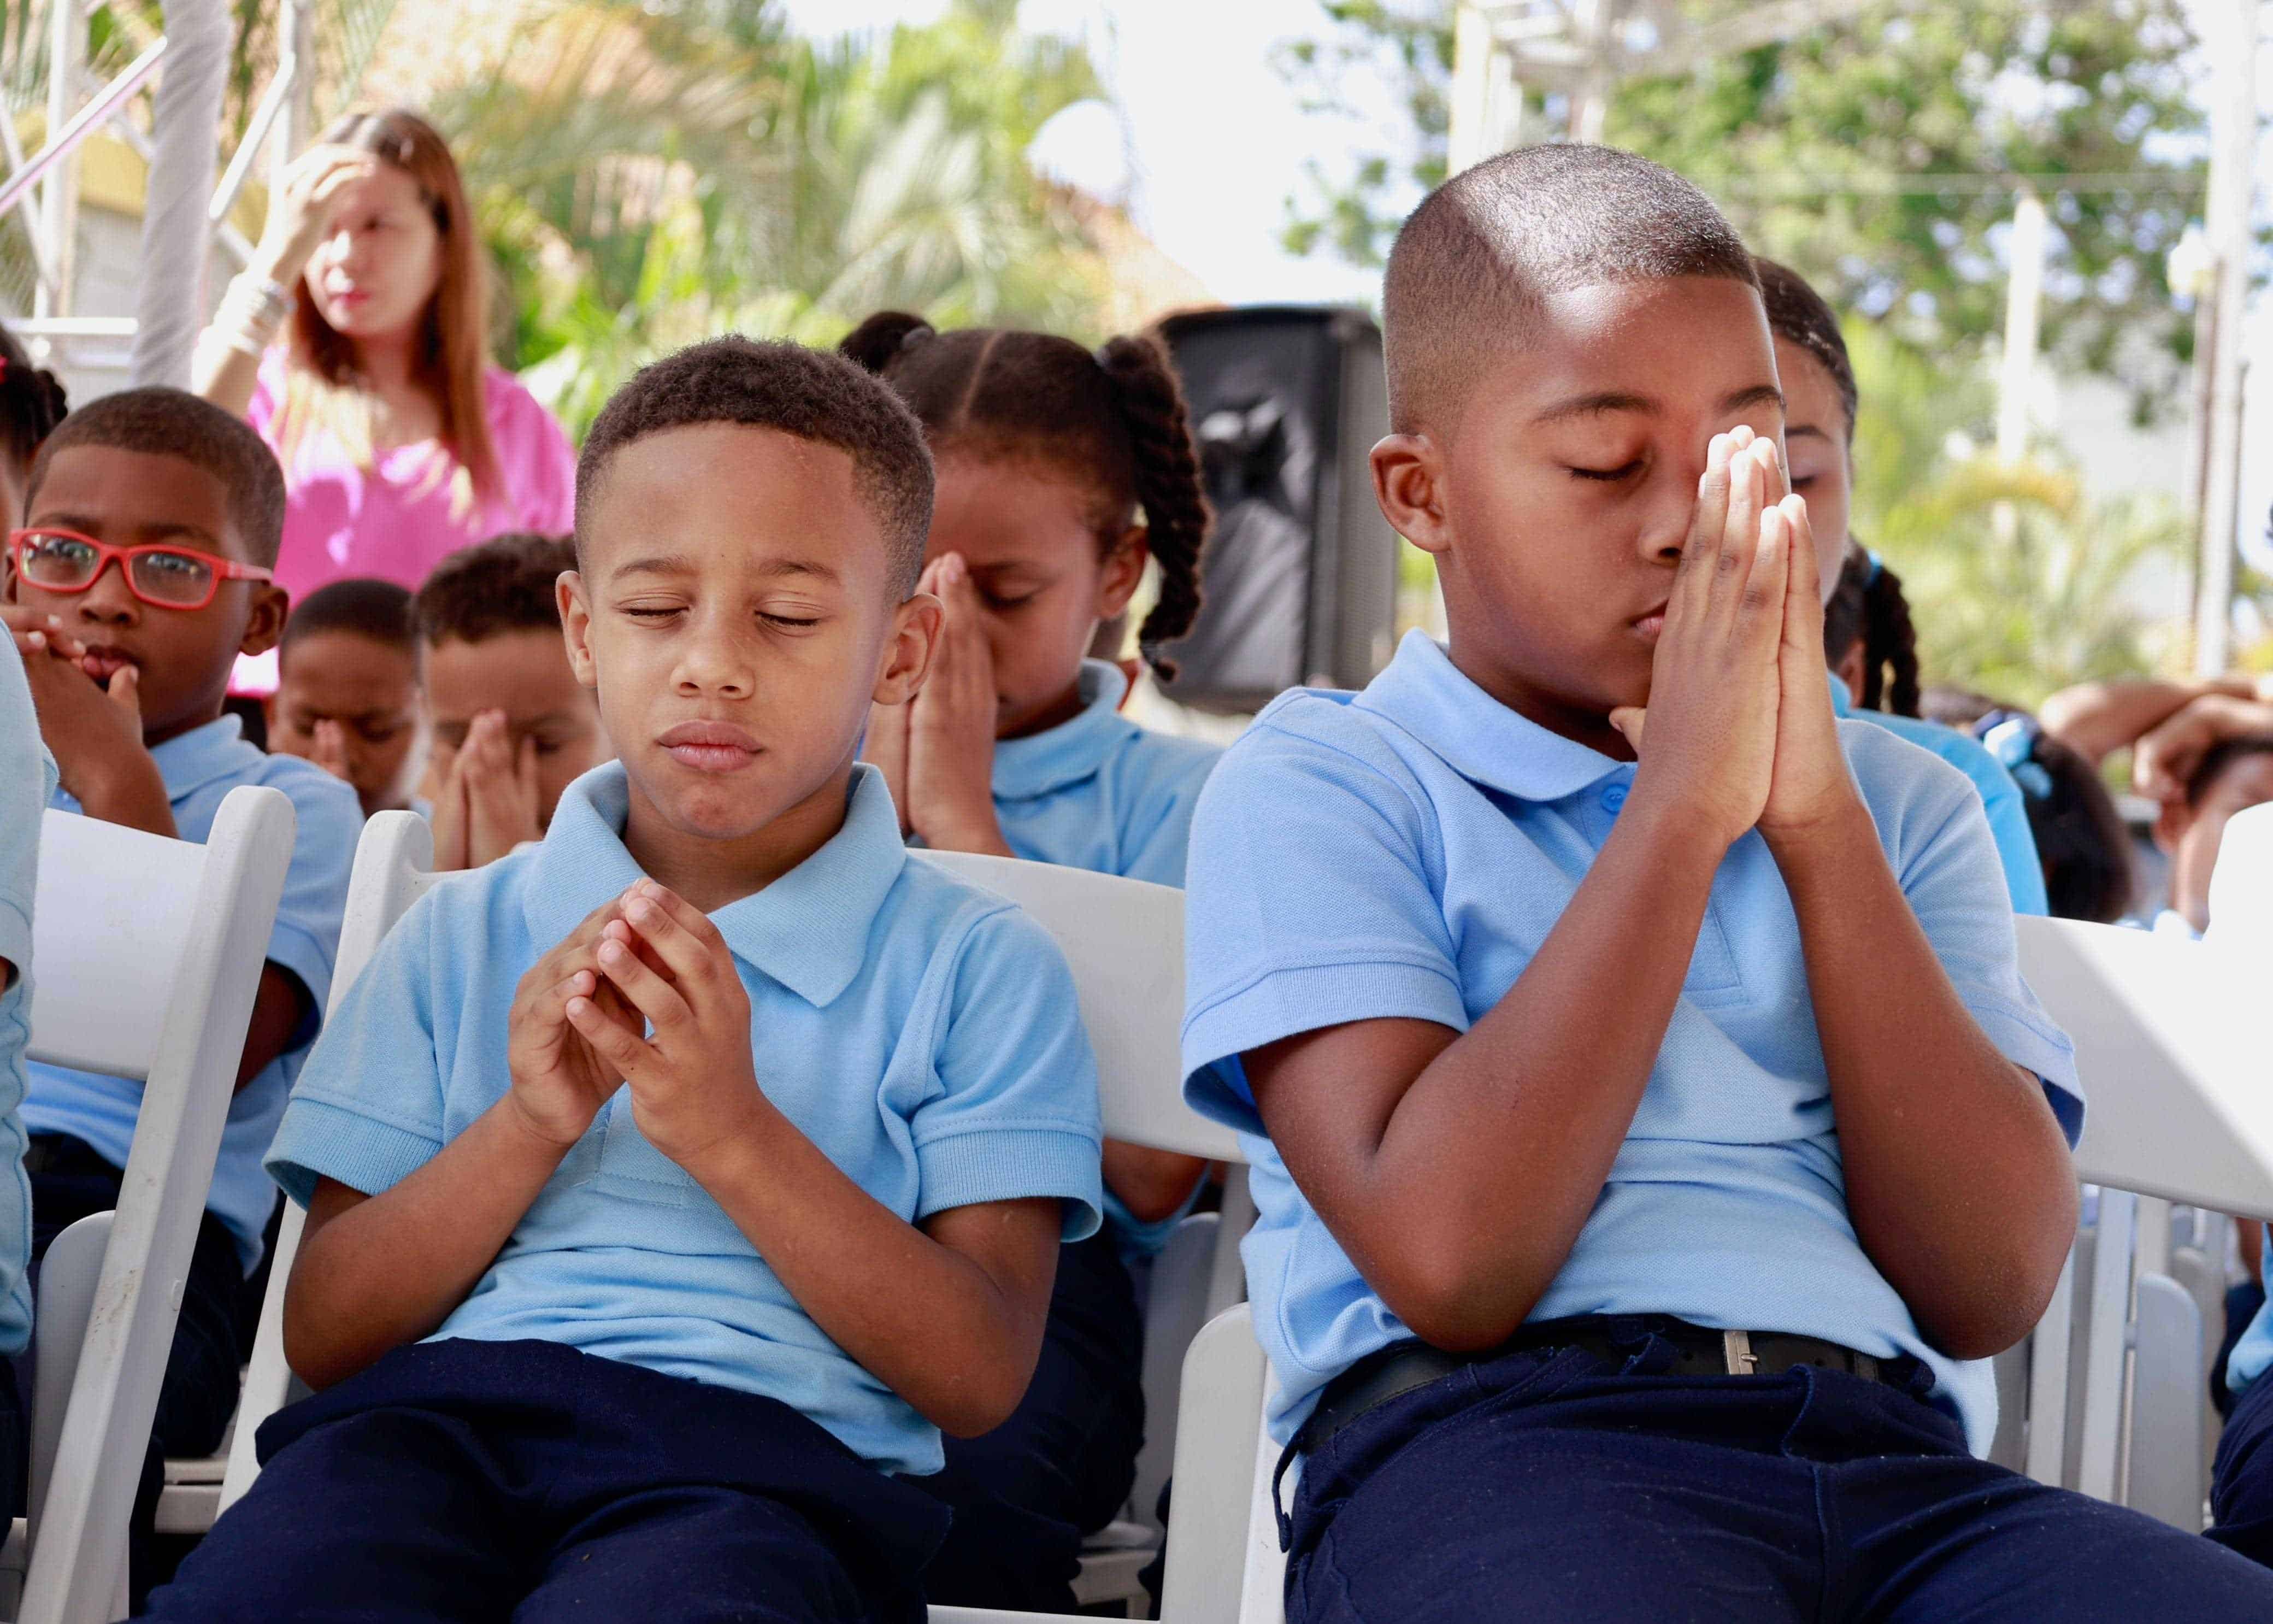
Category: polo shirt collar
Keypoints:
(1423, 693)
(205, 754)
(808, 930)
(1074, 750)
(1843, 701)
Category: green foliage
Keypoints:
(651, 173)
(1803, 143)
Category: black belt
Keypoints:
(1404, 1366)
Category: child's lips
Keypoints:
(710, 747)
(102, 663)
(1647, 627)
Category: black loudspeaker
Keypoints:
(1298, 586)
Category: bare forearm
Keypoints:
(1958, 1180)
(1153, 1184)
(923, 1319)
(2095, 719)
(387, 1270)
(224, 374)
(1487, 1168)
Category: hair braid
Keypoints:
(1168, 484)
(1889, 645)
(31, 403)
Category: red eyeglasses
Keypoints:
(162, 576)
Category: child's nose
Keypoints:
(716, 666)
(109, 598)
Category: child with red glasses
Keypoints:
(151, 521)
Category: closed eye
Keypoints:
(793, 622)
(1626, 471)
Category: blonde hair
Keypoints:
(451, 351)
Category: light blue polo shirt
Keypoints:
(201, 767)
(921, 1032)
(2001, 800)
(1404, 851)
(28, 777)
(1100, 792)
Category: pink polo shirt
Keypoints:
(397, 521)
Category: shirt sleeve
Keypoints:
(1159, 853)
(1950, 878)
(1309, 903)
(306, 939)
(541, 471)
(368, 1107)
(2007, 810)
(26, 775)
(1016, 1114)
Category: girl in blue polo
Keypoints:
(1061, 472)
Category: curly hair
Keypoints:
(164, 422)
(1116, 420)
(504, 585)
(808, 394)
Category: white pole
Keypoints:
(169, 305)
(2024, 294)
(296, 43)
(1592, 21)
(59, 192)
(2233, 152)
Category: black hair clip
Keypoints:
(2012, 737)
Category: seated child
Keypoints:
(513, 728)
(607, 1326)
(347, 689)
(28, 777)
(1060, 472)
(31, 404)
(153, 518)
(1622, 1127)
(2231, 775)
(1867, 636)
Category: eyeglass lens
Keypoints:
(65, 563)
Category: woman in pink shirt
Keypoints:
(401, 442)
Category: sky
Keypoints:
(1217, 138)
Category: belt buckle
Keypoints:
(1736, 1349)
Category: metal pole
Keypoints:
(1473, 47)
(2234, 122)
(59, 192)
(2024, 293)
(295, 50)
(169, 305)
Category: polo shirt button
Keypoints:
(1613, 796)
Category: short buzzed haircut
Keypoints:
(174, 422)
(505, 584)
(1475, 264)
(360, 606)
(805, 392)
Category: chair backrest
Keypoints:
(2241, 887)
(393, 868)
(146, 957)
(1124, 940)
(2172, 1062)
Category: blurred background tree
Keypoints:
(1875, 156)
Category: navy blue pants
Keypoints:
(1549, 1486)
(487, 1481)
(1060, 1467)
(2241, 1480)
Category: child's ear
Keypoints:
(576, 626)
(908, 649)
(1850, 670)
(264, 627)
(1408, 482)
(1124, 568)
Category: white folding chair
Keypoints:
(2177, 1111)
(1124, 941)
(146, 957)
(393, 866)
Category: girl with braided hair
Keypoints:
(1060, 472)
(1867, 622)
(31, 404)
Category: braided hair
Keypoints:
(1115, 419)
(31, 403)
(1798, 315)
(1867, 606)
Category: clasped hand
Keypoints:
(487, 801)
(1740, 729)
(643, 991)
(937, 751)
